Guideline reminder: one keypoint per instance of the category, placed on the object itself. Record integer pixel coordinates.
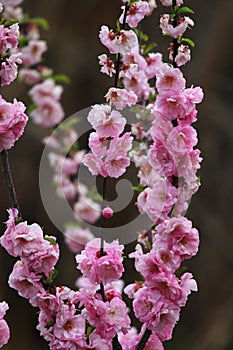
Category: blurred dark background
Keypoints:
(206, 322)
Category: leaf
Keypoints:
(68, 124)
(149, 48)
(22, 41)
(54, 274)
(62, 78)
(41, 22)
(90, 329)
(138, 188)
(10, 22)
(149, 246)
(118, 25)
(143, 36)
(180, 271)
(185, 10)
(31, 108)
(188, 41)
(50, 240)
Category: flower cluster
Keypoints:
(12, 122)
(4, 328)
(109, 149)
(10, 58)
(96, 316)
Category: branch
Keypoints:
(9, 181)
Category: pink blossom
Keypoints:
(183, 55)
(69, 326)
(171, 104)
(29, 76)
(128, 70)
(135, 13)
(134, 57)
(11, 2)
(9, 69)
(194, 95)
(65, 188)
(97, 343)
(161, 126)
(106, 122)
(157, 201)
(98, 268)
(187, 284)
(166, 320)
(169, 78)
(44, 257)
(118, 43)
(107, 65)
(153, 60)
(121, 98)
(48, 88)
(87, 210)
(107, 212)
(8, 37)
(121, 145)
(6, 239)
(76, 238)
(12, 122)
(62, 164)
(4, 328)
(115, 165)
(181, 238)
(97, 144)
(48, 113)
(25, 238)
(27, 283)
(11, 12)
(168, 29)
(139, 85)
(94, 164)
(31, 54)
(147, 264)
(162, 160)
(182, 139)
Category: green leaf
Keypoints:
(185, 10)
(18, 220)
(188, 41)
(138, 188)
(148, 245)
(31, 108)
(41, 22)
(10, 22)
(61, 78)
(90, 329)
(50, 324)
(22, 41)
(152, 97)
(54, 274)
(149, 48)
(180, 271)
(68, 124)
(50, 239)
(118, 25)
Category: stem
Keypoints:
(175, 41)
(144, 339)
(9, 181)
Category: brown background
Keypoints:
(206, 323)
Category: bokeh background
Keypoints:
(207, 321)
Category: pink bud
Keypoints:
(107, 212)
